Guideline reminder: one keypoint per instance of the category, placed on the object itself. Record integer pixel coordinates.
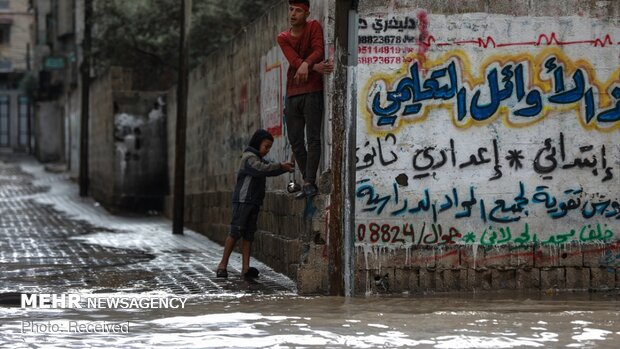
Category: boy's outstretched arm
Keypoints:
(257, 168)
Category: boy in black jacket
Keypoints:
(248, 197)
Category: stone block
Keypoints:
(611, 256)
(602, 278)
(594, 9)
(449, 279)
(362, 280)
(292, 271)
(503, 279)
(293, 252)
(318, 224)
(397, 258)
(479, 279)
(571, 255)
(438, 282)
(448, 257)
(312, 279)
(522, 256)
(512, 7)
(368, 258)
(463, 280)
(596, 255)
(552, 278)
(439, 7)
(400, 282)
(472, 256)
(427, 279)
(414, 280)
(422, 257)
(577, 278)
(546, 256)
(527, 278)
(497, 256)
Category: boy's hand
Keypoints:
(324, 67)
(302, 74)
(287, 166)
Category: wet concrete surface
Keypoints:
(52, 241)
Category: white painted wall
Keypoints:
(551, 202)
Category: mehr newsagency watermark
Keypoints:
(90, 301)
(70, 326)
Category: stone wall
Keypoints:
(48, 131)
(101, 140)
(487, 141)
(237, 90)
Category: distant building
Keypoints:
(16, 24)
(56, 65)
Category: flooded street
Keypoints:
(54, 242)
(284, 321)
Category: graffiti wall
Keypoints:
(487, 130)
(273, 67)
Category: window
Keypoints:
(5, 33)
(5, 4)
(4, 121)
(23, 120)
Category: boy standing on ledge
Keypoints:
(302, 45)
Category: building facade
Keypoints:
(16, 21)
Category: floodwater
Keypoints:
(289, 321)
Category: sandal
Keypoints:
(251, 273)
(221, 273)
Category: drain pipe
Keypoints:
(350, 143)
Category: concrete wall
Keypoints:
(237, 90)
(127, 165)
(72, 132)
(488, 145)
(49, 130)
(101, 140)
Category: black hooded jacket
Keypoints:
(251, 177)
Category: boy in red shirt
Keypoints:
(302, 46)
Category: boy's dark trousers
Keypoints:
(305, 111)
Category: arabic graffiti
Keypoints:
(424, 233)
(572, 202)
(369, 158)
(523, 88)
(384, 24)
(611, 259)
(551, 157)
(394, 30)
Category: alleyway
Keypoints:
(53, 241)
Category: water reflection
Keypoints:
(576, 321)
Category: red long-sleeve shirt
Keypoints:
(307, 47)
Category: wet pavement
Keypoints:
(52, 241)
